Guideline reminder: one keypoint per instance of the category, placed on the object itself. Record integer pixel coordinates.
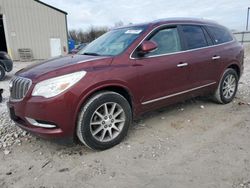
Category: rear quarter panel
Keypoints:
(231, 53)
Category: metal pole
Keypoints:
(242, 39)
(247, 18)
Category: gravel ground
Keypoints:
(196, 143)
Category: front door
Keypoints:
(163, 72)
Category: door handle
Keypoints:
(215, 57)
(182, 65)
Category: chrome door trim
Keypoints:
(175, 94)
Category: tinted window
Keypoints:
(194, 36)
(208, 38)
(220, 34)
(167, 40)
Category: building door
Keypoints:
(3, 46)
(55, 47)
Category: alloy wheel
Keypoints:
(229, 86)
(107, 122)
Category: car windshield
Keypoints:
(113, 42)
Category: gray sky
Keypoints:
(85, 13)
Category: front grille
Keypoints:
(19, 87)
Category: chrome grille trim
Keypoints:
(19, 87)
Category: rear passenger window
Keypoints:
(220, 34)
(194, 36)
(208, 38)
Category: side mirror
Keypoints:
(147, 46)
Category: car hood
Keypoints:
(63, 65)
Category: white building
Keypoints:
(32, 24)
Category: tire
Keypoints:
(223, 94)
(2, 72)
(99, 127)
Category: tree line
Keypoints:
(80, 36)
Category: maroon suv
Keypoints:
(95, 94)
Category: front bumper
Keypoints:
(58, 112)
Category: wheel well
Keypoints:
(236, 68)
(122, 91)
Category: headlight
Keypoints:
(55, 86)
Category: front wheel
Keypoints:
(104, 120)
(228, 86)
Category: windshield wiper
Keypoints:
(91, 53)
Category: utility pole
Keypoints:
(247, 18)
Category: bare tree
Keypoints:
(119, 24)
(91, 34)
(73, 35)
(85, 37)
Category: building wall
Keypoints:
(30, 24)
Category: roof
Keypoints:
(184, 19)
(45, 4)
(173, 20)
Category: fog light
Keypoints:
(37, 124)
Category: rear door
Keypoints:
(201, 57)
(223, 51)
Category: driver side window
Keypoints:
(167, 40)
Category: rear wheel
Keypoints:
(2, 72)
(104, 120)
(227, 88)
